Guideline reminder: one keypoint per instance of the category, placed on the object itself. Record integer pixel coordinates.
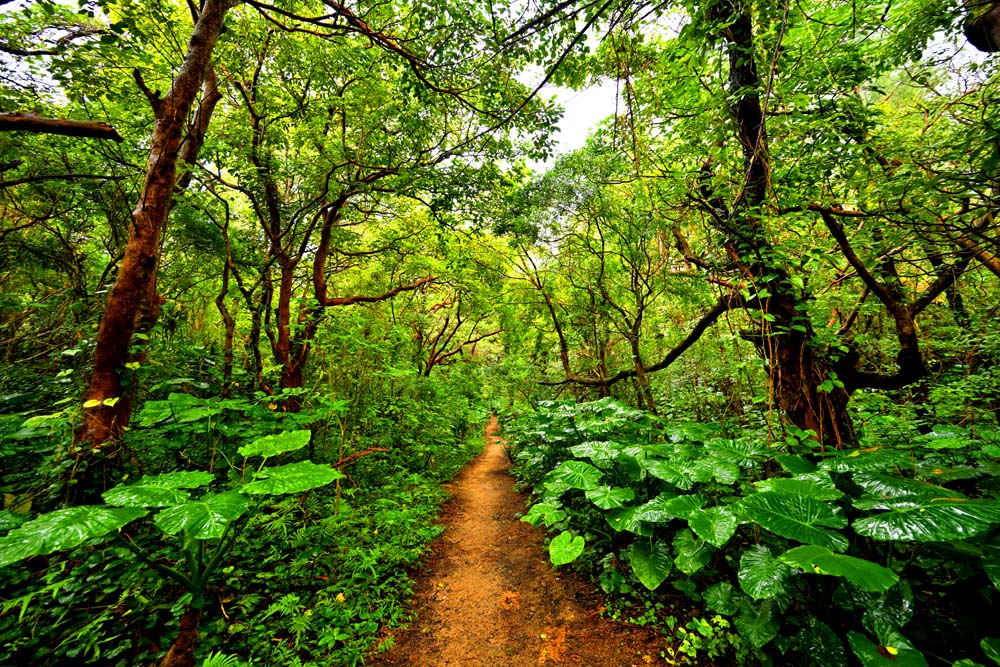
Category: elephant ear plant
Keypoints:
(187, 510)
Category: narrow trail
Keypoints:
(487, 596)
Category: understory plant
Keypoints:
(286, 577)
(887, 554)
(201, 528)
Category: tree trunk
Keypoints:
(785, 337)
(103, 424)
(982, 24)
(181, 653)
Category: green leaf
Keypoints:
(667, 506)
(890, 611)
(814, 485)
(204, 519)
(598, 451)
(575, 475)
(278, 443)
(794, 464)
(896, 652)
(669, 473)
(991, 560)
(707, 468)
(762, 576)
(796, 517)
(991, 647)
(158, 490)
(607, 497)
(550, 513)
(923, 519)
(819, 645)
(724, 598)
(185, 479)
(873, 458)
(291, 478)
(137, 495)
(651, 564)
(715, 525)
(10, 519)
(628, 519)
(759, 624)
(692, 554)
(63, 529)
(891, 486)
(820, 560)
(564, 548)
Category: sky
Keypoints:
(584, 109)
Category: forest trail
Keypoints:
(488, 597)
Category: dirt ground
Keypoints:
(487, 596)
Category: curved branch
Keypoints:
(351, 300)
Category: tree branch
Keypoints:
(32, 122)
(351, 300)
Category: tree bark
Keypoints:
(181, 653)
(982, 24)
(32, 122)
(103, 424)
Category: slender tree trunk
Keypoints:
(103, 424)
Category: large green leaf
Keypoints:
(158, 490)
(889, 611)
(873, 458)
(924, 519)
(758, 624)
(63, 529)
(991, 559)
(715, 525)
(291, 478)
(819, 646)
(575, 475)
(816, 485)
(138, 495)
(650, 564)
(708, 468)
(667, 506)
(795, 464)
(204, 519)
(608, 497)
(820, 560)
(991, 647)
(796, 517)
(628, 519)
(601, 452)
(10, 519)
(692, 554)
(891, 486)
(762, 575)
(184, 408)
(724, 598)
(564, 548)
(897, 651)
(278, 443)
(668, 472)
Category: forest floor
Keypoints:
(487, 596)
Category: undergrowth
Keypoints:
(883, 555)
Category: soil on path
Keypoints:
(489, 598)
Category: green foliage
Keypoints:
(760, 533)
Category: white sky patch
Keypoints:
(584, 109)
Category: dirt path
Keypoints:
(488, 597)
